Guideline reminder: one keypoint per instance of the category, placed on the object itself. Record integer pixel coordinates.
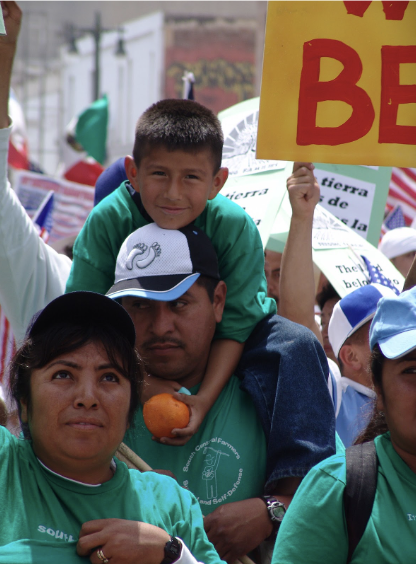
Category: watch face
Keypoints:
(279, 513)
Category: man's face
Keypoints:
(404, 262)
(272, 262)
(174, 338)
(175, 185)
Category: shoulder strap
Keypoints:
(360, 491)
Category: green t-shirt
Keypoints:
(224, 461)
(41, 513)
(314, 528)
(233, 234)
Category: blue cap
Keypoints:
(353, 311)
(394, 325)
(109, 180)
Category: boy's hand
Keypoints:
(12, 15)
(153, 386)
(303, 190)
(198, 412)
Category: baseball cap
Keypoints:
(398, 242)
(353, 311)
(162, 264)
(83, 307)
(394, 325)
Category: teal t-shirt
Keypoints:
(224, 461)
(233, 234)
(41, 513)
(314, 528)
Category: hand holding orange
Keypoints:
(162, 413)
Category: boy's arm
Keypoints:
(8, 43)
(297, 285)
(223, 359)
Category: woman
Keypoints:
(63, 497)
(314, 528)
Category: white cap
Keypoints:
(353, 311)
(398, 242)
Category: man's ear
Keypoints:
(349, 357)
(219, 180)
(131, 171)
(220, 294)
(23, 411)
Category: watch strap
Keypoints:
(173, 551)
(276, 510)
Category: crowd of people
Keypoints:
(169, 290)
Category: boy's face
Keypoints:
(175, 185)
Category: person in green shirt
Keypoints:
(316, 515)
(63, 496)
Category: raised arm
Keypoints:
(31, 272)
(297, 285)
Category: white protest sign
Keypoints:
(337, 250)
(257, 186)
(356, 195)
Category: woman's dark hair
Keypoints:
(64, 337)
(328, 292)
(377, 424)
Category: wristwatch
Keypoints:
(276, 510)
(173, 551)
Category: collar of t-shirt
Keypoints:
(113, 468)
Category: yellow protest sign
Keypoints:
(339, 83)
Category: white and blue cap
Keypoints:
(394, 325)
(162, 264)
(353, 311)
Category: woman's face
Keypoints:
(78, 413)
(398, 401)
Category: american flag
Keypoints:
(402, 192)
(377, 277)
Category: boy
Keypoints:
(174, 175)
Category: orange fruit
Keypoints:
(162, 413)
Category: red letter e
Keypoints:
(393, 94)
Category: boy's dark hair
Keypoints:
(178, 125)
(63, 337)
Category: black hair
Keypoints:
(328, 292)
(377, 424)
(209, 284)
(178, 125)
(64, 337)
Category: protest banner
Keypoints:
(349, 192)
(346, 259)
(339, 83)
(258, 186)
(72, 202)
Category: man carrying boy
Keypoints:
(174, 178)
(168, 281)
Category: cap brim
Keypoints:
(398, 345)
(83, 307)
(161, 288)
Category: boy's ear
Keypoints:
(219, 180)
(131, 171)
